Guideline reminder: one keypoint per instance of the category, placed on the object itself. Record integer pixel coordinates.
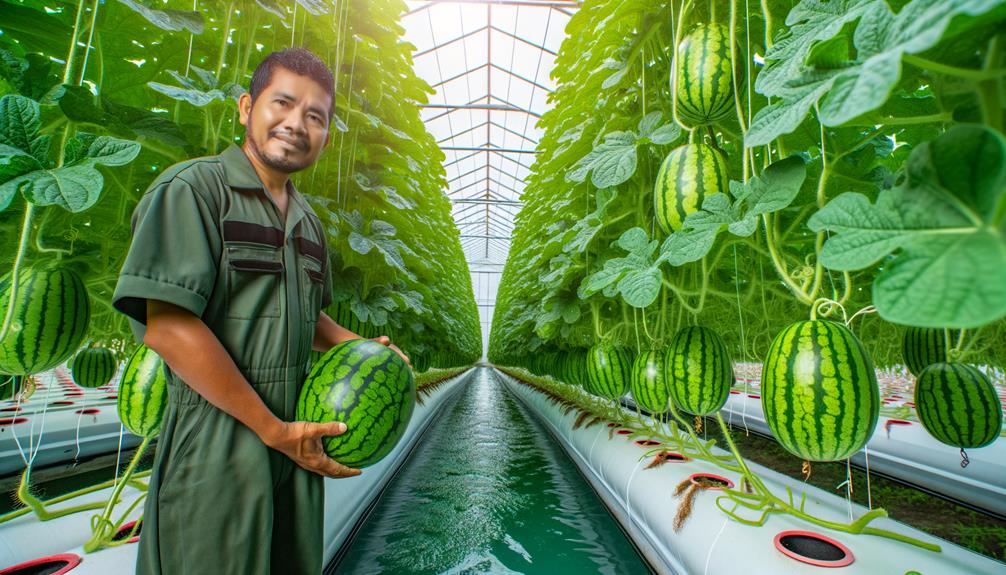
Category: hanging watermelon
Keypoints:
(958, 405)
(819, 391)
(649, 383)
(48, 320)
(608, 371)
(143, 392)
(93, 367)
(699, 370)
(923, 346)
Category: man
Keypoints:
(226, 279)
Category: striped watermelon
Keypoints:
(649, 383)
(699, 370)
(608, 371)
(367, 386)
(688, 174)
(143, 392)
(49, 319)
(819, 391)
(702, 78)
(93, 367)
(958, 405)
(923, 346)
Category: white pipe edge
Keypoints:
(710, 543)
(909, 453)
(25, 538)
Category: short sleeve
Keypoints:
(174, 254)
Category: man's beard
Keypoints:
(276, 162)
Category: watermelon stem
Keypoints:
(104, 529)
(22, 247)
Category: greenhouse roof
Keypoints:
(489, 63)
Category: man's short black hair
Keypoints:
(297, 60)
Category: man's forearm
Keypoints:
(195, 354)
(327, 333)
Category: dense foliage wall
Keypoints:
(167, 76)
(863, 144)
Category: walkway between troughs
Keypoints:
(487, 491)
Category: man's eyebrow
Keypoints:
(317, 110)
(285, 96)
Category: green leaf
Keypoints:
(171, 20)
(14, 162)
(195, 97)
(636, 276)
(773, 190)
(19, 121)
(665, 134)
(315, 7)
(699, 231)
(110, 151)
(640, 287)
(75, 188)
(786, 115)
(612, 162)
(587, 228)
(946, 219)
(957, 282)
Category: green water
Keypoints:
(487, 491)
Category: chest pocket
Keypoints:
(312, 280)
(254, 265)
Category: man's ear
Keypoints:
(244, 108)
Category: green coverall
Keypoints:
(208, 237)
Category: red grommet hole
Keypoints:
(813, 548)
(711, 481)
(61, 402)
(5, 421)
(672, 457)
(624, 431)
(51, 565)
(124, 531)
(89, 411)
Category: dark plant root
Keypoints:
(698, 424)
(682, 487)
(430, 388)
(685, 509)
(658, 460)
(806, 470)
(593, 421)
(581, 419)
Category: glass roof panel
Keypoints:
(489, 63)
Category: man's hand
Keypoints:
(301, 442)
(385, 340)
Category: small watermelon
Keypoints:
(819, 391)
(699, 370)
(702, 78)
(649, 384)
(608, 371)
(958, 405)
(143, 392)
(49, 321)
(687, 176)
(93, 367)
(923, 346)
(367, 386)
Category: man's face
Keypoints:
(288, 123)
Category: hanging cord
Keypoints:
(744, 353)
(869, 494)
(712, 547)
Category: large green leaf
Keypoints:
(20, 119)
(946, 223)
(173, 20)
